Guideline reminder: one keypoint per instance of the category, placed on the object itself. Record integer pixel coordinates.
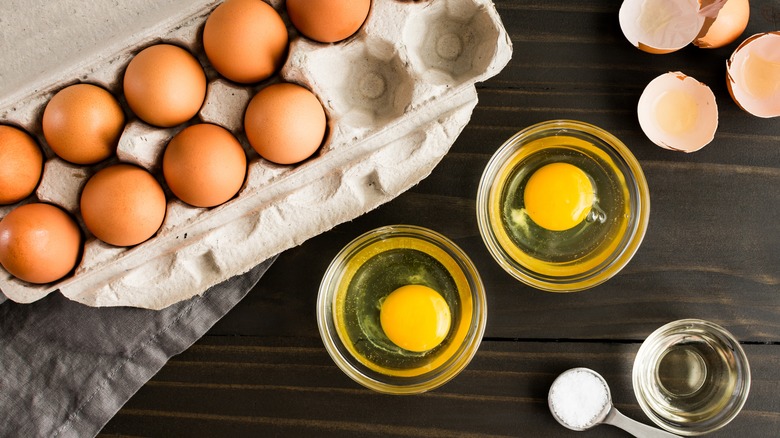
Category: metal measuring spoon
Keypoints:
(580, 399)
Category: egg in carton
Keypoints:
(396, 95)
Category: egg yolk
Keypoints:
(558, 196)
(415, 318)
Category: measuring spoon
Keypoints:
(585, 391)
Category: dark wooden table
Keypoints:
(712, 251)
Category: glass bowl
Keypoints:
(598, 244)
(358, 281)
(691, 377)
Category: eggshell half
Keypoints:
(753, 75)
(660, 26)
(677, 112)
(724, 24)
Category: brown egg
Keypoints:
(21, 164)
(328, 21)
(204, 165)
(245, 40)
(285, 123)
(39, 243)
(164, 85)
(82, 123)
(123, 205)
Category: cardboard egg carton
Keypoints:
(397, 94)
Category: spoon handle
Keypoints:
(615, 418)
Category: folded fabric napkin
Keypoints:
(66, 369)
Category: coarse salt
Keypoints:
(577, 397)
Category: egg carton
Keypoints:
(397, 94)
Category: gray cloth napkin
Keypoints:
(66, 369)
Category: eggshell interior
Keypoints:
(677, 112)
(660, 26)
(753, 75)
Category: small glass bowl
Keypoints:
(592, 251)
(691, 377)
(361, 276)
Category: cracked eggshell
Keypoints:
(724, 23)
(677, 112)
(753, 75)
(664, 26)
(660, 26)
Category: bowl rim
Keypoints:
(637, 184)
(395, 384)
(682, 326)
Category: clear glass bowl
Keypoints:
(691, 377)
(596, 248)
(355, 285)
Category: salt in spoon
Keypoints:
(579, 399)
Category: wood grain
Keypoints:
(281, 387)
(712, 251)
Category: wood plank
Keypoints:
(269, 387)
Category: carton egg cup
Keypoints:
(397, 94)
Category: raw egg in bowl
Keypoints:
(563, 206)
(401, 309)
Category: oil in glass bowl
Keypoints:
(401, 309)
(563, 205)
(691, 377)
